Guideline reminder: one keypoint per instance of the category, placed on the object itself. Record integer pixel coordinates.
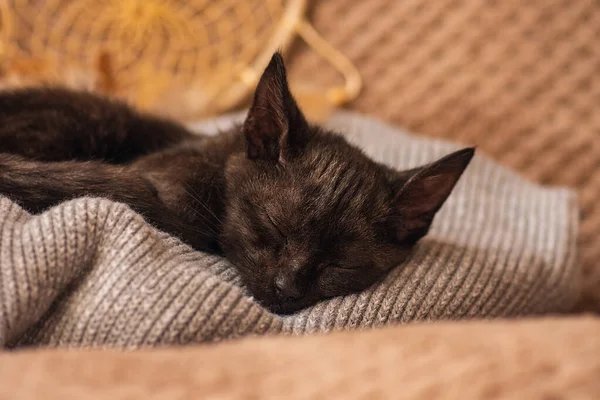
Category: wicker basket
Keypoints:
(182, 58)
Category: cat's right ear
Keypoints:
(422, 191)
(274, 118)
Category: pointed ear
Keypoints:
(421, 192)
(273, 116)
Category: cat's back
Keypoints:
(54, 124)
(56, 98)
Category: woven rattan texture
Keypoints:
(519, 79)
(156, 52)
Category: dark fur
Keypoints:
(301, 213)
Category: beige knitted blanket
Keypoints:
(90, 272)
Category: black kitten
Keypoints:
(301, 213)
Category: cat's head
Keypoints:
(309, 216)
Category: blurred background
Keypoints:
(521, 80)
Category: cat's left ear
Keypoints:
(421, 192)
(274, 120)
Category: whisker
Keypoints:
(196, 197)
(189, 227)
(199, 200)
(182, 224)
(203, 217)
(209, 224)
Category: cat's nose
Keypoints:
(286, 289)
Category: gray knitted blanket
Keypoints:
(91, 272)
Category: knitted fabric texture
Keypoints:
(519, 79)
(91, 272)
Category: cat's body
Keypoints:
(301, 213)
(93, 146)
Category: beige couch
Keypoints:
(543, 359)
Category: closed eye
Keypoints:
(340, 267)
(284, 237)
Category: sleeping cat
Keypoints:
(302, 214)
